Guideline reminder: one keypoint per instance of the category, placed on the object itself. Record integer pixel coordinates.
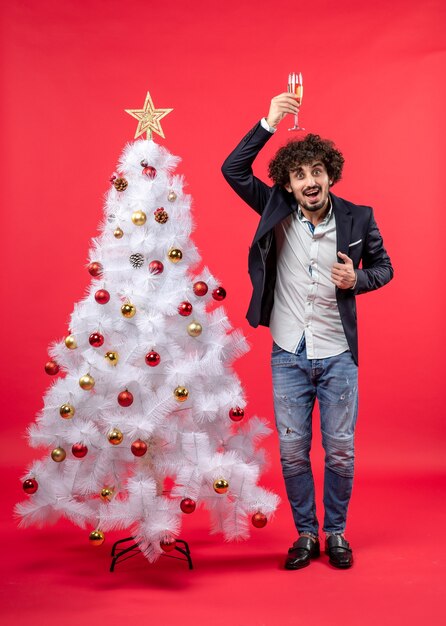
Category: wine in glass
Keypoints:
(296, 86)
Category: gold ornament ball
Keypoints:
(194, 329)
(58, 455)
(67, 411)
(172, 196)
(112, 358)
(115, 437)
(70, 342)
(106, 494)
(139, 218)
(118, 233)
(181, 394)
(128, 310)
(86, 382)
(97, 538)
(175, 255)
(221, 485)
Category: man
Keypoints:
(304, 267)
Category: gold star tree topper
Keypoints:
(148, 118)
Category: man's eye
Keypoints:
(316, 172)
(300, 175)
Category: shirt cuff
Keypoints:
(266, 126)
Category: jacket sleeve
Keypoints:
(376, 268)
(237, 169)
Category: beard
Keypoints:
(314, 207)
(318, 203)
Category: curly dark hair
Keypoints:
(311, 148)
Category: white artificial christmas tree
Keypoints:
(147, 391)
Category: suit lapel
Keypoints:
(278, 207)
(343, 224)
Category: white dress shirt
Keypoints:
(304, 295)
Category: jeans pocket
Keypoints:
(276, 349)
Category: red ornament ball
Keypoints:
(125, 398)
(185, 308)
(200, 288)
(236, 414)
(153, 358)
(139, 447)
(30, 485)
(259, 520)
(51, 368)
(188, 505)
(95, 269)
(102, 296)
(156, 267)
(219, 293)
(150, 172)
(96, 340)
(168, 544)
(79, 450)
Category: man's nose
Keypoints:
(309, 181)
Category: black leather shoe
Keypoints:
(303, 550)
(339, 552)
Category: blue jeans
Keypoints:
(297, 382)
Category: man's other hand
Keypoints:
(343, 274)
(281, 105)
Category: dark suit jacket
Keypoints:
(356, 231)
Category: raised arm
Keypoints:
(237, 168)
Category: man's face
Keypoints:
(310, 185)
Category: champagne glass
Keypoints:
(296, 86)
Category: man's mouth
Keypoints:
(312, 194)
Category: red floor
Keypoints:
(53, 576)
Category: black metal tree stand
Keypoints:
(123, 553)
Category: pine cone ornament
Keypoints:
(120, 184)
(161, 216)
(137, 260)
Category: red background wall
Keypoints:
(374, 83)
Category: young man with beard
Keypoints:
(304, 265)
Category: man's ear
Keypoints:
(288, 187)
(331, 182)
